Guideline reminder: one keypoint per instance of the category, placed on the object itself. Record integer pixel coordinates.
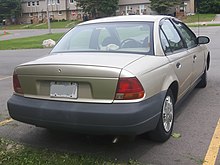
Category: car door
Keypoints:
(198, 56)
(176, 51)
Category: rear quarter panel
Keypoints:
(154, 72)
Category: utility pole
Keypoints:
(48, 18)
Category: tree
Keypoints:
(208, 6)
(98, 7)
(163, 6)
(10, 9)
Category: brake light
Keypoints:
(16, 84)
(129, 89)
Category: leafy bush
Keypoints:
(209, 6)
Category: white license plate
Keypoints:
(63, 90)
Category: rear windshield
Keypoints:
(133, 37)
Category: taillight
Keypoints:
(129, 89)
(16, 84)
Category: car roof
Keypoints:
(127, 18)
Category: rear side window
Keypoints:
(172, 35)
(188, 36)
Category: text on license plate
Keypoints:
(63, 89)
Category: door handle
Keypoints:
(194, 57)
(178, 65)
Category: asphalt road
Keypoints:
(196, 120)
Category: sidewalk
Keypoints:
(27, 33)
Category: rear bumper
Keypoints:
(117, 119)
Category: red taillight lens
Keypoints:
(129, 89)
(16, 84)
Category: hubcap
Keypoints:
(167, 113)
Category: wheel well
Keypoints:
(208, 61)
(174, 88)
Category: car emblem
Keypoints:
(59, 70)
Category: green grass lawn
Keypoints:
(29, 42)
(199, 18)
(54, 25)
(12, 153)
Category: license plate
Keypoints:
(63, 90)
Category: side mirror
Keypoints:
(203, 40)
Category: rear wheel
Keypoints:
(165, 125)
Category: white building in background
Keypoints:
(141, 7)
(188, 7)
(35, 11)
(127, 7)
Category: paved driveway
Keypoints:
(217, 18)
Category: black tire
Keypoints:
(203, 81)
(162, 134)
